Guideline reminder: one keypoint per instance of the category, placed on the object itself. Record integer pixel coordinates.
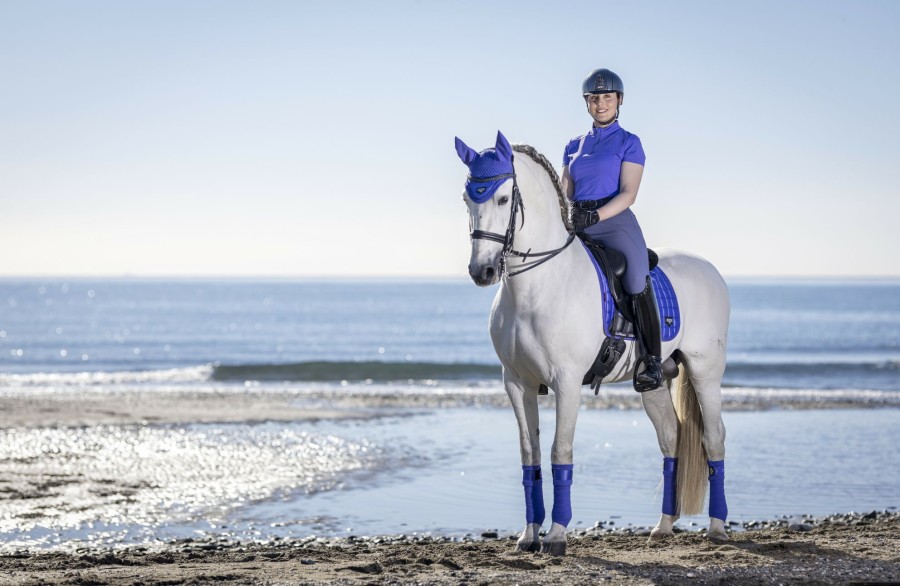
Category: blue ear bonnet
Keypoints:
(480, 184)
(487, 169)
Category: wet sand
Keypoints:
(842, 549)
(46, 406)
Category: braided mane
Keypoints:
(548, 167)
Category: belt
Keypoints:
(592, 204)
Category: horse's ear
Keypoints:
(503, 148)
(466, 154)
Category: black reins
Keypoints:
(507, 239)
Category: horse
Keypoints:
(545, 325)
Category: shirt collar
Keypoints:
(598, 133)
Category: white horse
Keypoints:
(545, 325)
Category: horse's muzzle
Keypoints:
(484, 275)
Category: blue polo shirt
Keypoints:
(595, 160)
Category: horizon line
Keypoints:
(393, 277)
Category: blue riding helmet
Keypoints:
(487, 169)
(603, 81)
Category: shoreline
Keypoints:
(50, 406)
(837, 549)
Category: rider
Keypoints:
(601, 175)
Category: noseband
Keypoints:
(507, 239)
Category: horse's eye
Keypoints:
(503, 200)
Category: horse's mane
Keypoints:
(548, 167)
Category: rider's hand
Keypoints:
(582, 219)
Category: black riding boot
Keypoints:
(646, 316)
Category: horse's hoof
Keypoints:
(658, 535)
(554, 548)
(716, 530)
(528, 546)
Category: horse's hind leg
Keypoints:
(659, 407)
(568, 400)
(524, 404)
(709, 396)
(705, 362)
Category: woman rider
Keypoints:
(601, 175)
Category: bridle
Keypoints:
(507, 239)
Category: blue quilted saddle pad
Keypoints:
(666, 301)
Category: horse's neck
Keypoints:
(542, 229)
(539, 289)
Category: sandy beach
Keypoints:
(842, 549)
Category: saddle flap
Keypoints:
(613, 261)
(617, 262)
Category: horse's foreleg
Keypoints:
(524, 404)
(568, 400)
(659, 407)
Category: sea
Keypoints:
(441, 471)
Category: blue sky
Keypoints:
(308, 139)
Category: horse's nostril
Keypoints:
(488, 272)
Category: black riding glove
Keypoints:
(582, 219)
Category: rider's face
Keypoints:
(602, 107)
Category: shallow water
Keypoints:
(450, 471)
(108, 483)
(778, 463)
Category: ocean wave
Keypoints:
(800, 396)
(171, 375)
(879, 374)
(336, 371)
(789, 374)
(882, 375)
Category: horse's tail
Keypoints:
(693, 470)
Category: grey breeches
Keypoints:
(622, 233)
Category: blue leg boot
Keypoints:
(666, 523)
(718, 508)
(670, 477)
(534, 508)
(555, 541)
